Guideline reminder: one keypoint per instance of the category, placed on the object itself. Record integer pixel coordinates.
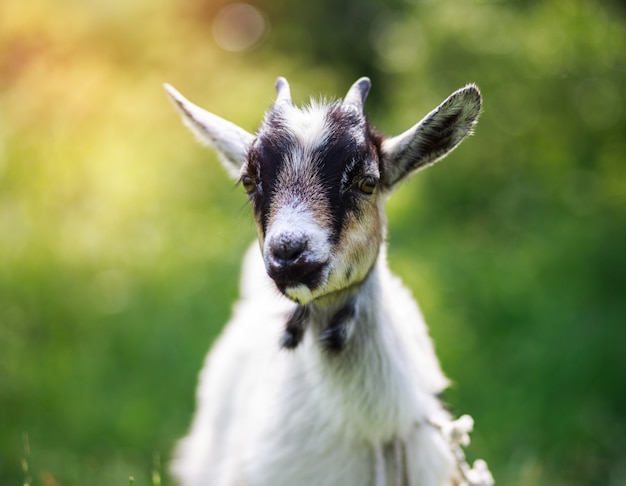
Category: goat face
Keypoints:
(317, 178)
(313, 176)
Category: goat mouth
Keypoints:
(309, 275)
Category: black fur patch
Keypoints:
(335, 337)
(265, 160)
(344, 158)
(294, 330)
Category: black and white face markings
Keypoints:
(312, 176)
(317, 178)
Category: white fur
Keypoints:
(308, 126)
(274, 417)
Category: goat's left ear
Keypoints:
(432, 138)
(229, 141)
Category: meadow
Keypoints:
(121, 238)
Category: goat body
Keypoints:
(333, 379)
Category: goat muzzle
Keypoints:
(289, 262)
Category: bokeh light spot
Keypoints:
(239, 27)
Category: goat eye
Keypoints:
(367, 184)
(249, 183)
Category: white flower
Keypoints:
(457, 431)
(479, 475)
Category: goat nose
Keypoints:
(287, 248)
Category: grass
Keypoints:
(120, 240)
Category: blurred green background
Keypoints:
(120, 238)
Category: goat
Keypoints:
(333, 379)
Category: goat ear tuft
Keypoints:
(430, 140)
(229, 140)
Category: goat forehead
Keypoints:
(305, 141)
(309, 157)
(313, 124)
(309, 126)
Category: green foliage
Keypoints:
(120, 240)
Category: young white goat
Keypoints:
(333, 380)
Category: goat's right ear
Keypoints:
(230, 141)
(430, 140)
